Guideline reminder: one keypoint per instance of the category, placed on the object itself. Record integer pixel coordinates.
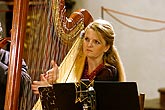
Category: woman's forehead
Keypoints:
(95, 34)
(92, 32)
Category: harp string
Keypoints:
(49, 33)
(39, 42)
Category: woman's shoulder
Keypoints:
(107, 72)
(111, 67)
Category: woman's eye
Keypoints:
(97, 42)
(87, 39)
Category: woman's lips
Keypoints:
(88, 50)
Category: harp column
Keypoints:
(16, 52)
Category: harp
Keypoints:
(49, 35)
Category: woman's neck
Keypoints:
(93, 64)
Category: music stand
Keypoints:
(110, 95)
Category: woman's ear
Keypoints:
(107, 48)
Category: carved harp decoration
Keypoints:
(49, 36)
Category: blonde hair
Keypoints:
(111, 57)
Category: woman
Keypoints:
(96, 58)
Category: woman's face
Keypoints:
(94, 45)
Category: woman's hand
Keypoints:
(52, 74)
(48, 78)
(37, 84)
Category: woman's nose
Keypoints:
(90, 44)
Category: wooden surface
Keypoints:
(153, 104)
(16, 50)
